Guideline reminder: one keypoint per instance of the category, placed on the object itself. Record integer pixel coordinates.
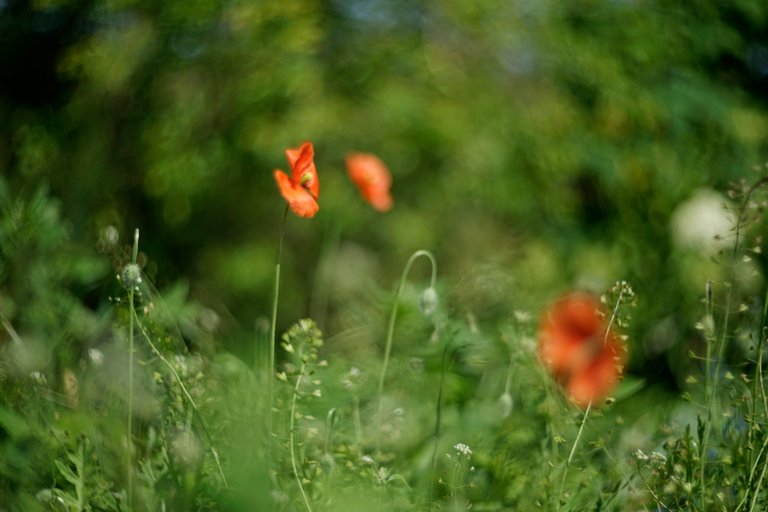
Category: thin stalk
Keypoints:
(752, 470)
(187, 395)
(393, 314)
(454, 486)
(131, 290)
(757, 487)
(10, 330)
(322, 286)
(291, 439)
(80, 488)
(757, 382)
(272, 335)
(655, 496)
(438, 421)
(710, 336)
(358, 422)
(329, 425)
(613, 316)
(508, 383)
(573, 451)
(723, 337)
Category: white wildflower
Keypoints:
(463, 449)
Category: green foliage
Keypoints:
(535, 147)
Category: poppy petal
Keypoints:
(303, 169)
(372, 178)
(299, 200)
(581, 355)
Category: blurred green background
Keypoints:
(536, 146)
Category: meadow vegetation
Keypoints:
(383, 255)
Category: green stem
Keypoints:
(438, 421)
(613, 316)
(710, 337)
(322, 285)
(757, 382)
(573, 451)
(393, 314)
(134, 257)
(272, 335)
(723, 338)
(291, 439)
(80, 489)
(187, 395)
(757, 487)
(510, 368)
(358, 422)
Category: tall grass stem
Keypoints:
(272, 336)
(131, 290)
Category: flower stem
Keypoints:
(438, 421)
(271, 340)
(134, 257)
(291, 438)
(187, 395)
(393, 314)
(573, 451)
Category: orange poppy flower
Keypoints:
(372, 179)
(302, 188)
(574, 345)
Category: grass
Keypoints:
(454, 416)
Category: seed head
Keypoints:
(130, 276)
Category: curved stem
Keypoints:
(291, 440)
(393, 314)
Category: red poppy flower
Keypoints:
(372, 179)
(302, 188)
(574, 345)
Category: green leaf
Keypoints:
(13, 424)
(67, 473)
(628, 387)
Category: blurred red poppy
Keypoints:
(372, 179)
(302, 189)
(573, 343)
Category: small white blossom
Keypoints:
(463, 449)
(38, 377)
(96, 356)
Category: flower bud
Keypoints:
(505, 404)
(328, 463)
(428, 301)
